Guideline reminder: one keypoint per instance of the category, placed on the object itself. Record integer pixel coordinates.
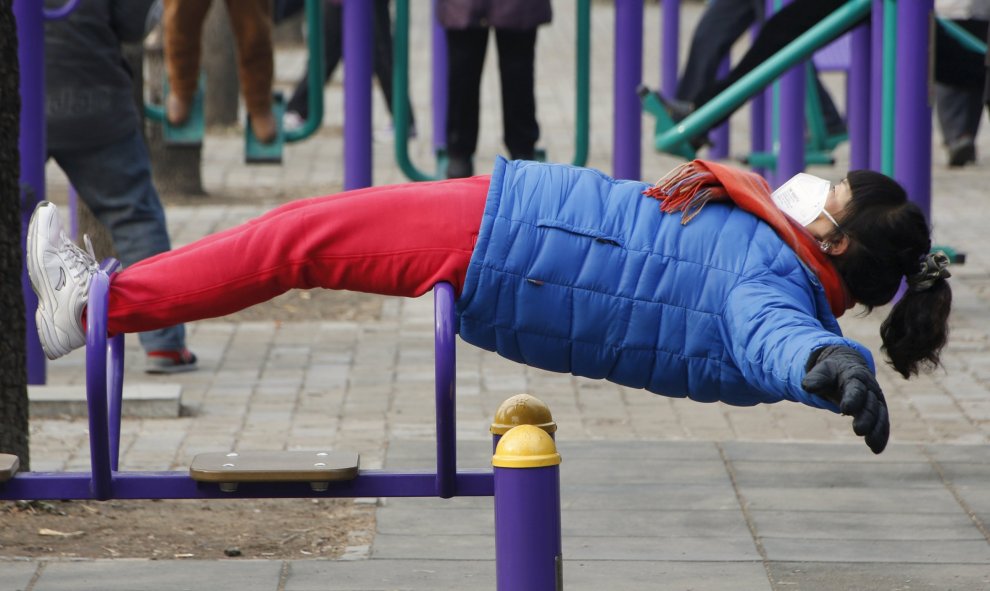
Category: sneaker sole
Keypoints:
(44, 319)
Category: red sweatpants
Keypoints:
(392, 240)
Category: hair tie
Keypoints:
(934, 266)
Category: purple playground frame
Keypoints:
(529, 496)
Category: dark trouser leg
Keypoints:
(383, 56)
(722, 23)
(516, 55)
(332, 37)
(465, 58)
(784, 26)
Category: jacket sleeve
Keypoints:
(128, 19)
(770, 328)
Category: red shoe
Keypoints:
(170, 361)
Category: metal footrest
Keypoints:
(190, 133)
(256, 152)
(8, 466)
(319, 468)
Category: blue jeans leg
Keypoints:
(115, 183)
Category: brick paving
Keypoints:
(364, 386)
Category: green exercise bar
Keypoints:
(800, 49)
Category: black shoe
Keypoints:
(962, 151)
(459, 167)
(677, 109)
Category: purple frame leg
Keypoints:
(439, 83)
(858, 108)
(627, 117)
(670, 25)
(790, 158)
(527, 529)
(358, 47)
(31, 145)
(720, 135)
(913, 115)
(446, 391)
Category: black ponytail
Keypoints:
(889, 239)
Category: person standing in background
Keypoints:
(94, 135)
(467, 23)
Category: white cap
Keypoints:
(802, 197)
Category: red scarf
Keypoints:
(690, 186)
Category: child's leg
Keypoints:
(183, 24)
(394, 240)
(251, 22)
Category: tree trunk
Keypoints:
(13, 359)
(178, 170)
(175, 170)
(220, 65)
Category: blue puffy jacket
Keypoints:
(577, 272)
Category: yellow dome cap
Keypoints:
(525, 446)
(522, 409)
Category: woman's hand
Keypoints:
(840, 374)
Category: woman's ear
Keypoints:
(839, 246)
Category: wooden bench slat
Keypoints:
(274, 466)
(8, 466)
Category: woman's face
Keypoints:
(830, 220)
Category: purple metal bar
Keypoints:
(31, 145)
(793, 89)
(444, 349)
(670, 25)
(439, 82)
(628, 120)
(358, 47)
(61, 12)
(758, 117)
(96, 386)
(913, 115)
(178, 485)
(858, 98)
(527, 529)
(115, 396)
(876, 85)
(720, 135)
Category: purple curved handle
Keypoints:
(60, 13)
(96, 384)
(443, 306)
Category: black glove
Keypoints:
(840, 374)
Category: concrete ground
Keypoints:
(657, 493)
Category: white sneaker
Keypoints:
(292, 121)
(60, 273)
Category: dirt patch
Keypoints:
(186, 529)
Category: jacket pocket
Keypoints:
(595, 234)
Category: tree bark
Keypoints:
(220, 65)
(13, 358)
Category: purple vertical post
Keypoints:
(31, 144)
(444, 351)
(669, 39)
(358, 47)
(627, 119)
(858, 98)
(876, 85)
(96, 385)
(720, 135)
(790, 157)
(439, 82)
(913, 115)
(758, 117)
(527, 511)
